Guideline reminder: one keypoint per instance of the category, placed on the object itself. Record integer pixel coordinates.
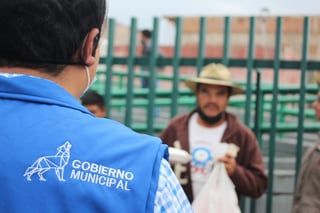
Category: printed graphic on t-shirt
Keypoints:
(201, 165)
(201, 160)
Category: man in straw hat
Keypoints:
(199, 131)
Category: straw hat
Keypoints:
(214, 74)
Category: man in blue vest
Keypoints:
(56, 156)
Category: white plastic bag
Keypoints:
(178, 156)
(218, 195)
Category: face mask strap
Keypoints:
(88, 77)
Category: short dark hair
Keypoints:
(46, 34)
(91, 97)
(146, 33)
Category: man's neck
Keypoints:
(71, 78)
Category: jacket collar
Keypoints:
(34, 89)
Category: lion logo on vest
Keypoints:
(45, 163)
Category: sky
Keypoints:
(123, 10)
(145, 10)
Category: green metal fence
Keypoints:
(274, 101)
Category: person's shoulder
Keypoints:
(312, 149)
(233, 118)
(103, 126)
(237, 124)
(115, 127)
(108, 132)
(106, 122)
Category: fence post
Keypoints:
(176, 64)
(130, 63)
(109, 62)
(248, 86)
(273, 132)
(201, 47)
(226, 44)
(302, 93)
(152, 77)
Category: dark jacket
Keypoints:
(306, 198)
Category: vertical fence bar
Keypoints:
(130, 63)
(259, 111)
(226, 44)
(259, 108)
(251, 52)
(152, 78)
(273, 132)
(304, 57)
(202, 41)
(256, 126)
(108, 63)
(176, 64)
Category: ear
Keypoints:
(88, 48)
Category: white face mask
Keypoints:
(89, 82)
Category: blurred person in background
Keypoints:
(306, 196)
(146, 41)
(95, 103)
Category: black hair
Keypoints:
(147, 33)
(46, 34)
(92, 97)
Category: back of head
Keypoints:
(46, 33)
(146, 33)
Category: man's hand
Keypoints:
(229, 162)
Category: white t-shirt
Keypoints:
(202, 141)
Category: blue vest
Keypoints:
(57, 157)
